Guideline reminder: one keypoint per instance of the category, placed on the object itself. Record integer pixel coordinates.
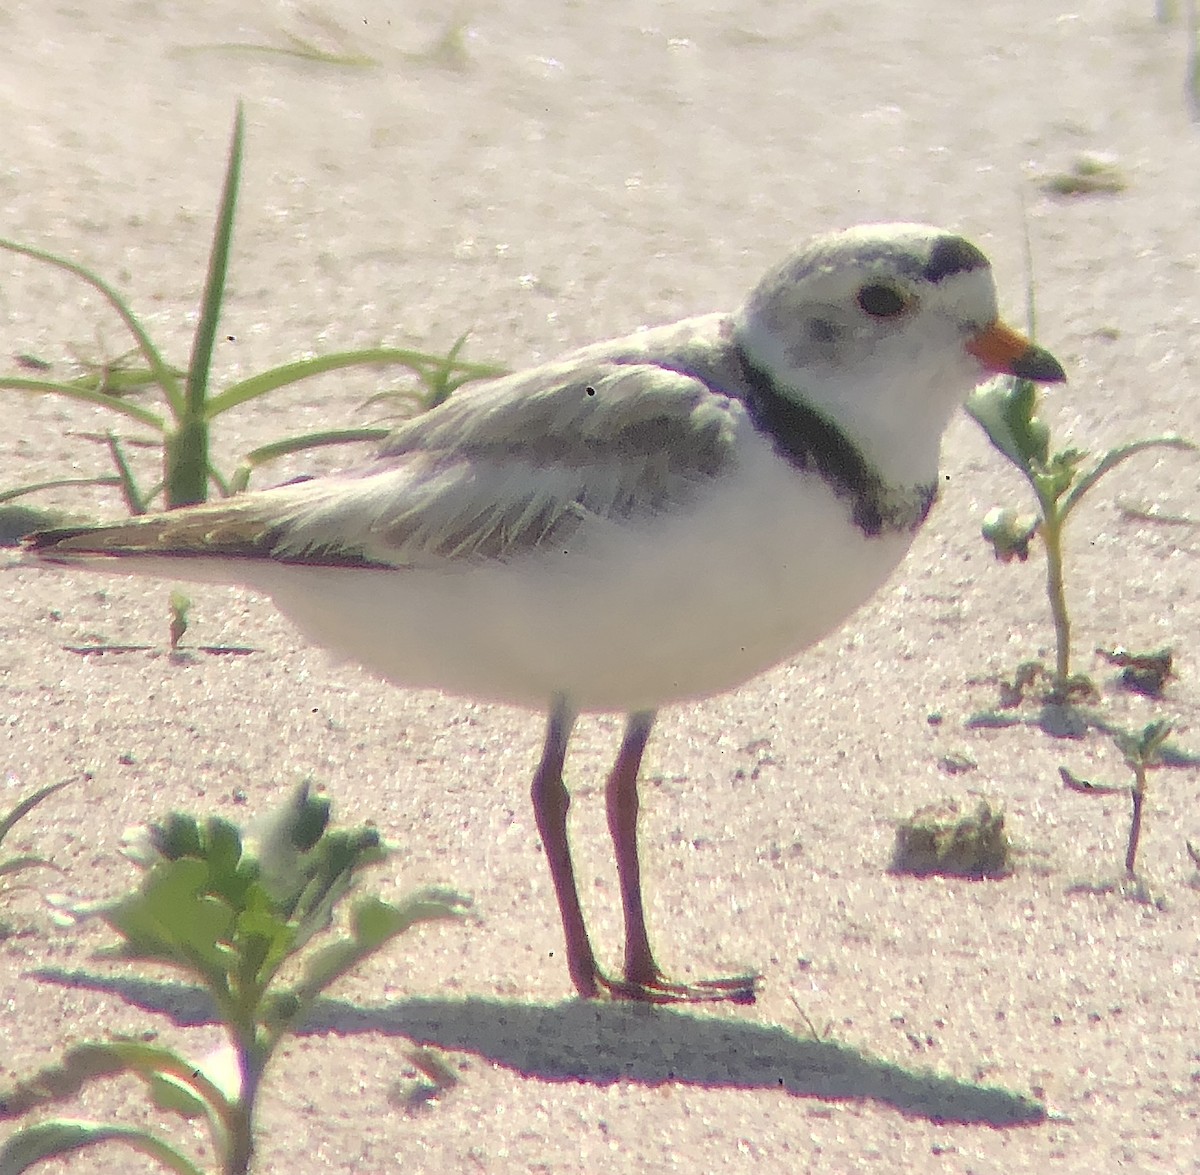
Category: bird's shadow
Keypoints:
(602, 1043)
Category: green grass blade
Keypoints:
(301, 50)
(300, 444)
(417, 361)
(57, 483)
(27, 805)
(186, 458)
(163, 373)
(441, 381)
(116, 380)
(72, 391)
(218, 268)
(48, 1140)
(135, 502)
(224, 486)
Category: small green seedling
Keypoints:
(1142, 752)
(1194, 854)
(233, 912)
(1091, 173)
(1007, 410)
(183, 429)
(14, 865)
(939, 840)
(181, 605)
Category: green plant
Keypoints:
(183, 429)
(1090, 173)
(1007, 410)
(232, 912)
(181, 607)
(1142, 751)
(298, 48)
(14, 865)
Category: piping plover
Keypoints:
(645, 521)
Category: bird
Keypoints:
(644, 522)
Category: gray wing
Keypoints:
(499, 469)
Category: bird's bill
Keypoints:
(1008, 352)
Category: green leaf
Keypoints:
(1006, 410)
(374, 923)
(116, 377)
(264, 937)
(229, 873)
(168, 1093)
(177, 836)
(278, 1011)
(301, 444)
(163, 373)
(280, 842)
(334, 865)
(419, 362)
(135, 501)
(300, 48)
(84, 395)
(281, 835)
(1055, 476)
(48, 1140)
(306, 868)
(1144, 748)
(92, 1060)
(310, 820)
(440, 382)
(172, 919)
(1116, 456)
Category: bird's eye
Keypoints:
(882, 301)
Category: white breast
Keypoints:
(631, 616)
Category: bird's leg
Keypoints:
(621, 796)
(644, 979)
(550, 804)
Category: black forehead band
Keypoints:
(950, 255)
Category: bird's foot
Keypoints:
(656, 988)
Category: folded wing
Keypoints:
(498, 470)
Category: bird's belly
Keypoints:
(628, 616)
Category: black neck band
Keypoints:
(810, 442)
